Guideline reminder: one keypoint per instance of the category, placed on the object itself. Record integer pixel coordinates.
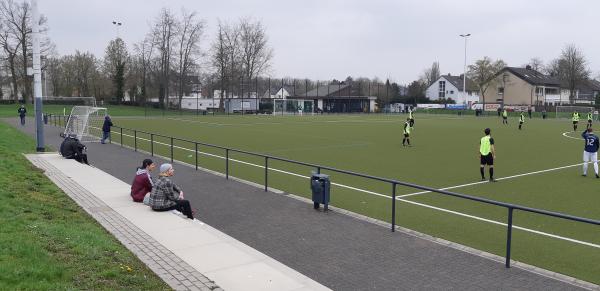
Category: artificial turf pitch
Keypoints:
(444, 153)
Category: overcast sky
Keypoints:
(325, 39)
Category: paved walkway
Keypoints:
(334, 249)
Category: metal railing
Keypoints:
(394, 183)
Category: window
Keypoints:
(442, 89)
(551, 91)
(539, 91)
(451, 91)
(501, 91)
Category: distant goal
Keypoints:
(567, 111)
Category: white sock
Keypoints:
(596, 168)
(585, 166)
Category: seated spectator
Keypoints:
(142, 183)
(72, 148)
(167, 196)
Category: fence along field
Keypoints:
(563, 246)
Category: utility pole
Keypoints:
(465, 36)
(37, 77)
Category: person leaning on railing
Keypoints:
(166, 195)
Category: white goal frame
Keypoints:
(85, 123)
(583, 110)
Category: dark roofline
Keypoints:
(515, 71)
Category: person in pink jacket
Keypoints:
(142, 183)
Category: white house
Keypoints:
(451, 87)
(278, 93)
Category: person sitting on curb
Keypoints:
(167, 196)
(72, 148)
(142, 183)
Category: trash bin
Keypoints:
(45, 118)
(320, 185)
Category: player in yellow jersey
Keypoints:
(487, 154)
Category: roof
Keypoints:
(274, 90)
(588, 86)
(457, 81)
(532, 76)
(325, 90)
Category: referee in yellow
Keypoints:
(487, 155)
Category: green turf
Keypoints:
(444, 153)
(50, 243)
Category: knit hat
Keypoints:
(165, 167)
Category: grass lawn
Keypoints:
(444, 154)
(48, 242)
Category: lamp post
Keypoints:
(117, 25)
(465, 36)
(37, 78)
(504, 77)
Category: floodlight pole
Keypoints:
(465, 36)
(37, 77)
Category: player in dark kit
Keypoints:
(22, 111)
(407, 129)
(590, 152)
(487, 154)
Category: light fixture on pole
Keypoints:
(465, 36)
(117, 25)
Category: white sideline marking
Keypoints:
(499, 179)
(408, 201)
(566, 135)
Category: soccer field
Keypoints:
(538, 167)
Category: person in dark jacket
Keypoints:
(71, 148)
(106, 129)
(142, 183)
(22, 111)
(167, 196)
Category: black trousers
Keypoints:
(80, 158)
(182, 206)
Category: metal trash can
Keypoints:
(45, 118)
(320, 186)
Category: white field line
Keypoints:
(499, 179)
(404, 200)
(565, 134)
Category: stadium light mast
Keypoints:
(37, 77)
(117, 25)
(465, 36)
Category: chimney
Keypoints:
(528, 67)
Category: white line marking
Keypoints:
(503, 178)
(408, 201)
(565, 134)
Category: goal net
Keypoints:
(293, 106)
(85, 122)
(65, 104)
(567, 111)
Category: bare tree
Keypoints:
(483, 73)
(10, 47)
(163, 34)
(256, 55)
(221, 57)
(431, 75)
(536, 64)
(17, 17)
(189, 36)
(573, 69)
(144, 50)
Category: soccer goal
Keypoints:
(68, 102)
(85, 122)
(567, 111)
(293, 106)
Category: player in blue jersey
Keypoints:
(590, 153)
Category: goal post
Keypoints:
(85, 122)
(293, 106)
(566, 111)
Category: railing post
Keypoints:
(152, 144)
(266, 173)
(509, 236)
(121, 137)
(135, 140)
(393, 207)
(318, 170)
(227, 164)
(196, 154)
(171, 150)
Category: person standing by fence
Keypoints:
(106, 129)
(22, 112)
